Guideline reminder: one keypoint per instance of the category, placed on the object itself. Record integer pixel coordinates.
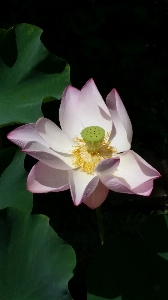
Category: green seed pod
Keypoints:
(93, 136)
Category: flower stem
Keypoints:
(100, 224)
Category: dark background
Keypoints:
(121, 44)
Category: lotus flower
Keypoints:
(90, 154)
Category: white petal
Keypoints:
(92, 110)
(69, 114)
(53, 135)
(91, 88)
(119, 186)
(134, 170)
(115, 184)
(144, 189)
(48, 156)
(44, 179)
(25, 134)
(107, 166)
(122, 129)
(81, 185)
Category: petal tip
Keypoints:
(115, 92)
(8, 136)
(65, 90)
(91, 80)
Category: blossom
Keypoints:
(90, 154)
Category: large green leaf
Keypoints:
(13, 191)
(125, 269)
(35, 264)
(28, 74)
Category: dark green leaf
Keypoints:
(35, 263)
(28, 74)
(13, 192)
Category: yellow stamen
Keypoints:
(85, 159)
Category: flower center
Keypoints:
(91, 149)
(93, 137)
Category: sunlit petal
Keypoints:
(92, 109)
(48, 156)
(121, 135)
(53, 135)
(81, 185)
(134, 170)
(107, 166)
(24, 134)
(69, 113)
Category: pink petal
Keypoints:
(24, 134)
(98, 196)
(69, 115)
(44, 179)
(144, 189)
(81, 185)
(117, 185)
(48, 156)
(134, 170)
(122, 129)
(133, 175)
(53, 135)
(92, 109)
(107, 166)
(90, 88)
(80, 109)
